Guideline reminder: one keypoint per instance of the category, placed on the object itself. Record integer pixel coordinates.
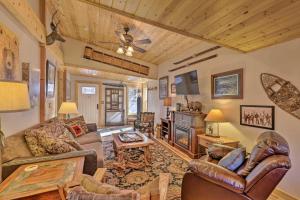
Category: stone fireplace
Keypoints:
(187, 125)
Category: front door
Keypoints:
(88, 101)
(114, 106)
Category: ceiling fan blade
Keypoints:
(144, 41)
(138, 49)
(120, 35)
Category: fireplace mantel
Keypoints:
(186, 127)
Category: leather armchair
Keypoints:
(254, 180)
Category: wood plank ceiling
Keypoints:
(90, 24)
(245, 25)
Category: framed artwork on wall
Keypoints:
(227, 85)
(50, 79)
(258, 116)
(9, 55)
(32, 77)
(173, 88)
(163, 87)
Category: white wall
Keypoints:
(282, 60)
(29, 52)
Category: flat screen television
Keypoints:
(187, 84)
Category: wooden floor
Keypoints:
(276, 195)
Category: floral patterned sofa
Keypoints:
(17, 152)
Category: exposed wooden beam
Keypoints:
(152, 22)
(23, 12)
(98, 56)
(42, 66)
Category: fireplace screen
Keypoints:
(182, 137)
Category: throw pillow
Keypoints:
(77, 121)
(54, 145)
(91, 185)
(31, 137)
(79, 192)
(218, 151)
(234, 159)
(76, 130)
(68, 138)
(54, 126)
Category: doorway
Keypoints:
(88, 101)
(114, 107)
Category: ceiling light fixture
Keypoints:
(130, 49)
(128, 53)
(120, 50)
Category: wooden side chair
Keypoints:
(145, 123)
(155, 190)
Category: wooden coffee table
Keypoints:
(42, 183)
(120, 151)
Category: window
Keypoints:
(132, 101)
(88, 90)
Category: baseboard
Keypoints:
(283, 195)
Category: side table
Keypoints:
(43, 182)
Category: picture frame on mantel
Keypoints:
(227, 85)
(257, 116)
(163, 87)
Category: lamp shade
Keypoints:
(14, 96)
(167, 101)
(68, 108)
(215, 115)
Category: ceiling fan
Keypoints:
(127, 44)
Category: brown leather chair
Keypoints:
(255, 179)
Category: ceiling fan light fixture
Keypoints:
(120, 50)
(130, 49)
(128, 53)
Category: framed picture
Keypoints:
(257, 116)
(163, 87)
(227, 85)
(68, 89)
(173, 88)
(32, 77)
(9, 55)
(50, 79)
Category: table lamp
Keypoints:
(14, 97)
(215, 116)
(68, 108)
(167, 103)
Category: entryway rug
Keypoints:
(163, 161)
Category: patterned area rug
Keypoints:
(163, 161)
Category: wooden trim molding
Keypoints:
(91, 54)
(23, 12)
